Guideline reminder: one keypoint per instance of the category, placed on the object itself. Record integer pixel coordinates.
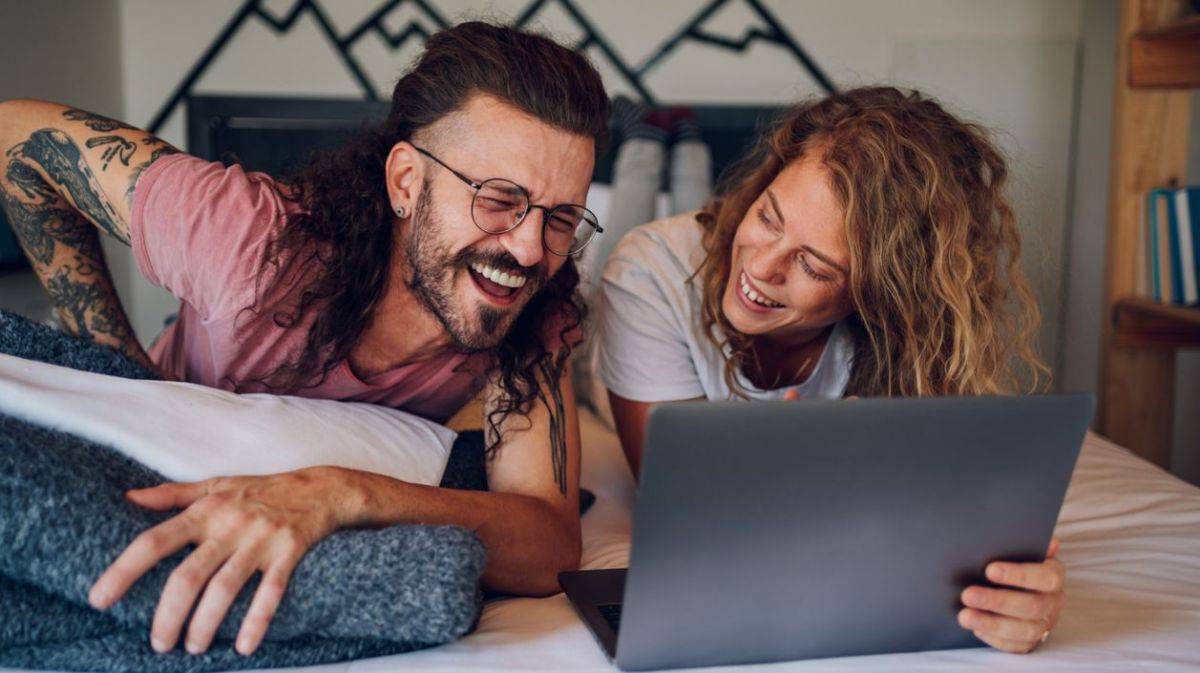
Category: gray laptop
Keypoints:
(771, 531)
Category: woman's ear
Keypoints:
(404, 173)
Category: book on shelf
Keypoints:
(1169, 247)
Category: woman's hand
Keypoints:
(240, 526)
(1016, 619)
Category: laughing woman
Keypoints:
(865, 247)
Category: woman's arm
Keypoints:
(630, 417)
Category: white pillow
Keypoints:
(189, 432)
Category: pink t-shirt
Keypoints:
(199, 230)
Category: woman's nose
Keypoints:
(767, 265)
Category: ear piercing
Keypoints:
(400, 211)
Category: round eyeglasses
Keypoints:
(500, 205)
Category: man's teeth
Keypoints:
(756, 297)
(499, 277)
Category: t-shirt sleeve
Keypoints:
(199, 229)
(642, 351)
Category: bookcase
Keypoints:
(1158, 67)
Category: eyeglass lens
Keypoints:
(500, 205)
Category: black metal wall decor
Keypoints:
(374, 24)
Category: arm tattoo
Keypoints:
(117, 146)
(558, 424)
(96, 122)
(64, 163)
(154, 156)
(62, 246)
(39, 227)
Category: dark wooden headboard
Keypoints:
(274, 134)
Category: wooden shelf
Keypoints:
(1158, 61)
(1167, 57)
(1143, 323)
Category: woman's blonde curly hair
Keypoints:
(941, 306)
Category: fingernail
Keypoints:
(158, 644)
(98, 598)
(244, 647)
(193, 648)
(995, 572)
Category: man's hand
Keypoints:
(240, 526)
(1019, 619)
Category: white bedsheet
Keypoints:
(1131, 544)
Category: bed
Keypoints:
(1131, 544)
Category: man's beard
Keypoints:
(431, 271)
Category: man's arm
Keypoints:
(529, 522)
(64, 173)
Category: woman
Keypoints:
(864, 248)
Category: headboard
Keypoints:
(274, 134)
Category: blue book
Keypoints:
(1158, 223)
(1187, 216)
(1173, 242)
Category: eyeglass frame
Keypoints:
(546, 210)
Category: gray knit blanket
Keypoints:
(63, 520)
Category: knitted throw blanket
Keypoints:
(63, 519)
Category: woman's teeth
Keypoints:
(756, 297)
(499, 277)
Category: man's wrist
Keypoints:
(355, 496)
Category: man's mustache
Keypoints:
(537, 275)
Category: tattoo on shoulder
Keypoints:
(558, 424)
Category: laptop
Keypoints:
(771, 531)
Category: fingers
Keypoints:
(222, 589)
(1008, 603)
(180, 592)
(1053, 551)
(262, 608)
(1006, 645)
(167, 496)
(1047, 576)
(1005, 633)
(138, 558)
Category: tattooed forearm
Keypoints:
(39, 227)
(64, 164)
(64, 250)
(75, 298)
(558, 424)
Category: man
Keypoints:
(407, 268)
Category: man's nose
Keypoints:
(524, 242)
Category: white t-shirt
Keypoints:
(650, 343)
